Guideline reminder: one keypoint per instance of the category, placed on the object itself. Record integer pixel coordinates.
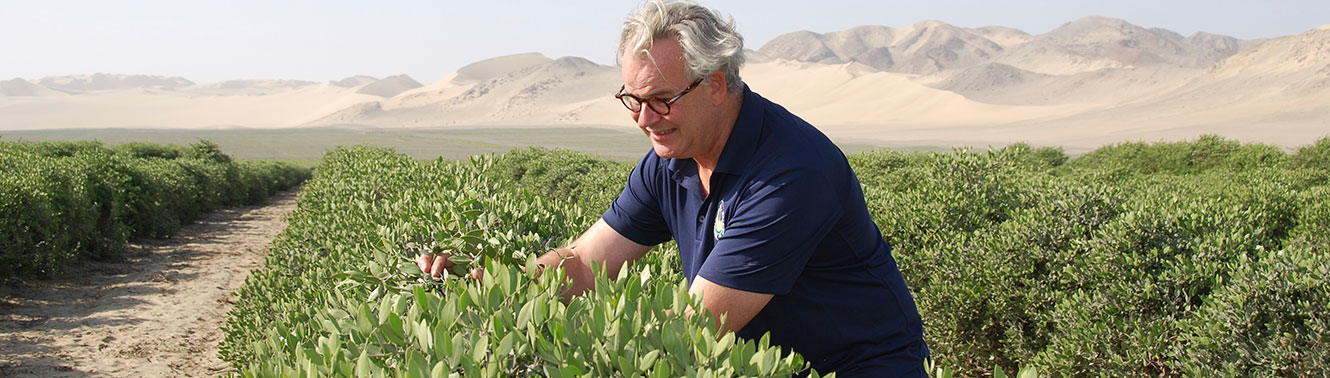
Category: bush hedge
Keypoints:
(60, 201)
(1197, 258)
(340, 296)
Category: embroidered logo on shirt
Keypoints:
(720, 220)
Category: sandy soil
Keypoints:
(157, 314)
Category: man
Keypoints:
(770, 220)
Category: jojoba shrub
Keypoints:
(340, 295)
(1196, 258)
(1271, 316)
(66, 200)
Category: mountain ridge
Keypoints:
(1091, 80)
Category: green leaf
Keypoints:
(443, 348)
(458, 347)
(424, 338)
(440, 370)
(647, 360)
(531, 265)
(375, 269)
(418, 366)
(722, 345)
(506, 345)
(460, 259)
(768, 361)
(363, 363)
(422, 297)
(524, 315)
(365, 319)
(448, 314)
(395, 331)
(409, 268)
(480, 349)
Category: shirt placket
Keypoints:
(706, 215)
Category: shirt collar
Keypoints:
(742, 143)
(741, 146)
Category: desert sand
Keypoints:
(1088, 83)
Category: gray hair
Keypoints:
(709, 44)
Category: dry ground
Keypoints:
(157, 314)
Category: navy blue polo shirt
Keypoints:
(785, 216)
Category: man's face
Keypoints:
(685, 132)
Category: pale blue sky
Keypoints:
(208, 41)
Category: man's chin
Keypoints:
(664, 152)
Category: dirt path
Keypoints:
(158, 314)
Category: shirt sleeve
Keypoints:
(636, 214)
(772, 232)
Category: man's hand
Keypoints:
(600, 244)
(439, 265)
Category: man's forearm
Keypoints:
(580, 279)
(600, 244)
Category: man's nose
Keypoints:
(647, 117)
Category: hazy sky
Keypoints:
(208, 41)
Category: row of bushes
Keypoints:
(1197, 258)
(1209, 152)
(339, 295)
(67, 200)
(1201, 258)
(565, 175)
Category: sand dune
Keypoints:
(923, 48)
(354, 81)
(243, 87)
(1275, 92)
(389, 86)
(498, 66)
(19, 87)
(1087, 83)
(146, 108)
(997, 83)
(513, 90)
(878, 98)
(104, 82)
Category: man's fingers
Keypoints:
(441, 263)
(424, 262)
(434, 265)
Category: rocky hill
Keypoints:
(1088, 82)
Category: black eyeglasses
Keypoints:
(657, 104)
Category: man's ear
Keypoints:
(719, 88)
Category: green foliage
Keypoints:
(207, 151)
(923, 199)
(149, 150)
(1271, 318)
(1041, 158)
(1101, 265)
(562, 174)
(340, 296)
(1316, 156)
(1196, 258)
(1207, 153)
(65, 200)
(1149, 268)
